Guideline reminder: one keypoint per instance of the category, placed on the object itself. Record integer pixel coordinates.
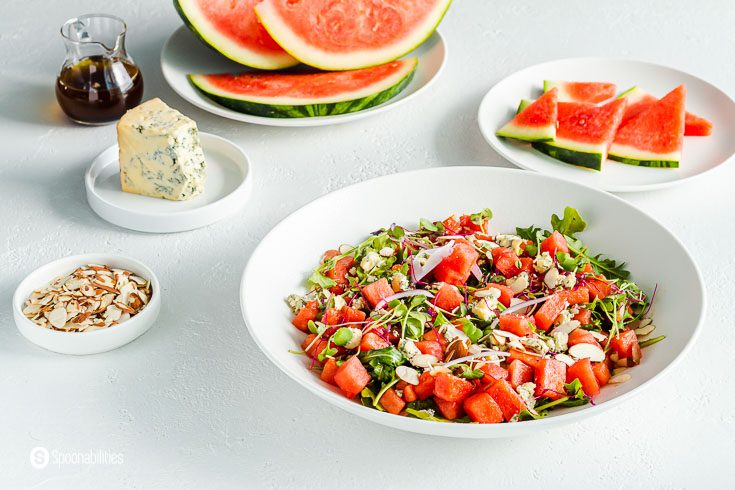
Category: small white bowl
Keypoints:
(82, 343)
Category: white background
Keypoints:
(193, 403)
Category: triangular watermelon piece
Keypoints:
(584, 133)
(696, 125)
(639, 99)
(654, 137)
(590, 92)
(537, 122)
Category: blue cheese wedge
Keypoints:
(160, 153)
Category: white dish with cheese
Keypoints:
(164, 176)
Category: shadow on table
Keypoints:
(29, 102)
(459, 140)
(65, 194)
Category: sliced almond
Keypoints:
(57, 317)
(566, 327)
(600, 337)
(645, 330)
(31, 310)
(424, 360)
(565, 359)
(620, 378)
(587, 351)
(112, 313)
(408, 374)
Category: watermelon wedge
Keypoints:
(584, 133)
(307, 94)
(639, 100)
(654, 137)
(536, 122)
(232, 28)
(590, 92)
(346, 35)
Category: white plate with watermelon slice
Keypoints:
(698, 155)
(183, 54)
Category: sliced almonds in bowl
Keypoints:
(92, 297)
(96, 340)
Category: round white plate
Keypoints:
(184, 54)
(677, 311)
(228, 186)
(700, 154)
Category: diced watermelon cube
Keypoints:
(352, 377)
(550, 376)
(483, 409)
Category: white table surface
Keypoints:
(194, 403)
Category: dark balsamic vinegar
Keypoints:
(99, 90)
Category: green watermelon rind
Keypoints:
(246, 57)
(632, 156)
(522, 133)
(634, 95)
(282, 111)
(523, 104)
(567, 152)
(310, 56)
(592, 161)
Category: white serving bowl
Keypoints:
(517, 198)
(82, 343)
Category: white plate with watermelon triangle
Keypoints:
(700, 154)
(184, 54)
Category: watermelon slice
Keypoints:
(232, 28)
(340, 35)
(639, 100)
(590, 92)
(536, 122)
(307, 94)
(654, 137)
(584, 133)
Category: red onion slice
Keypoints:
(483, 353)
(519, 306)
(436, 255)
(475, 270)
(403, 294)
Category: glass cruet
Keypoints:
(98, 81)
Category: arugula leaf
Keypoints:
(468, 373)
(383, 362)
(576, 394)
(427, 225)
(571, 223)
(470, 330)
(611, 269)
(321, 280)
(567, 262)
(415, 324)
(440, 319)
(427, 404)
(397, 231)
(574, 389)
(479, 218)
(528, 415)
(367, 398)
(419, 414)
(530, 233)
